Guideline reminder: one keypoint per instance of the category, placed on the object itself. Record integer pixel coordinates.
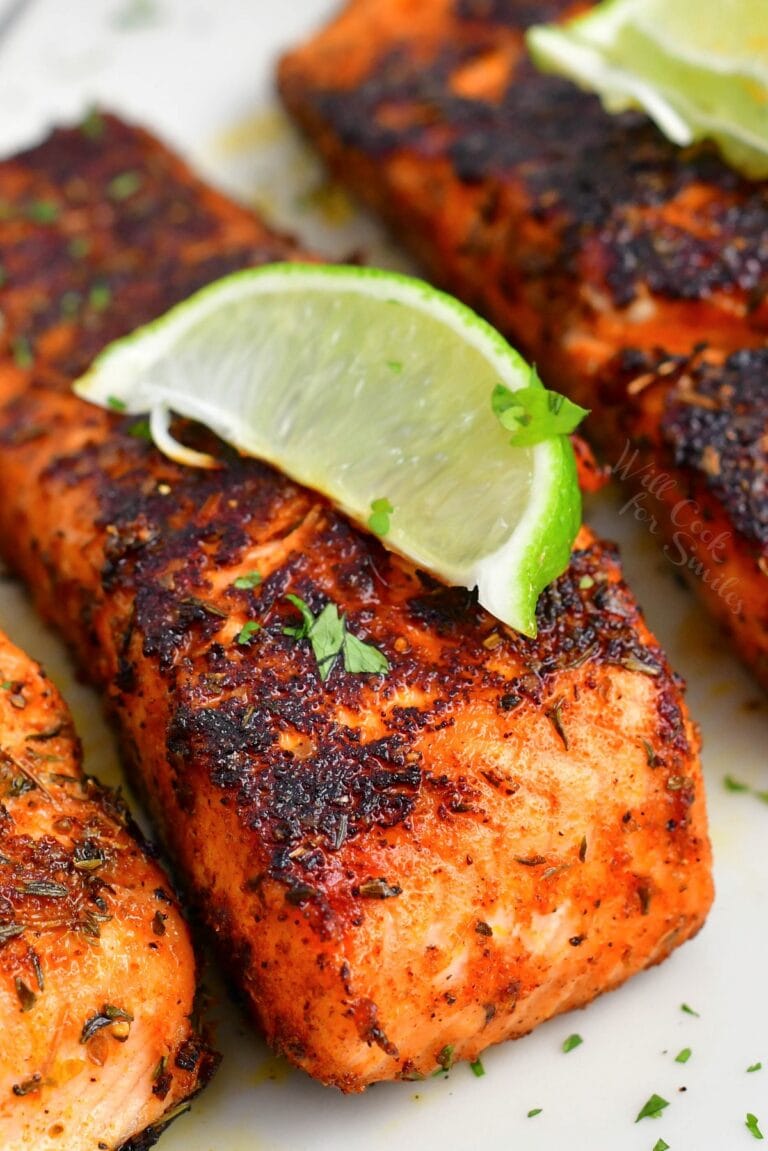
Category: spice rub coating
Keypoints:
(588, 239)
(97, 975)
(399, 869)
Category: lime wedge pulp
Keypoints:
(375, 390)
(699, 70)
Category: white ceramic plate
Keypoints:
(199, 72)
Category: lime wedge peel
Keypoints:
(365, 386)
(699, 74)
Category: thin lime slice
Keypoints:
(699, 72)
(375, 390)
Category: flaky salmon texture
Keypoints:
(399, 870)
(97, 975)
(634, 273)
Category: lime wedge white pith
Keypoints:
(700, 71)
(366, 386)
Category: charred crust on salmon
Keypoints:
(716, 423)
(515, 13)
(589, 239)
(79, 264)
(588, 175)
(363, 824)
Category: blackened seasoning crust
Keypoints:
(583, 170)
(514, 13)
(589, 239)
(82, 974)
(340, 838)
(716, 421)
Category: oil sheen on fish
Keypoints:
(398, 869)
(634, 273)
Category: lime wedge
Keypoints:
(700, 71)
(390, 398)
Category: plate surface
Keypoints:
(199, 72)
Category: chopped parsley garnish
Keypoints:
(7, 684)
(752, 1126)
(730, 783)
(378, 520)
(660, 1145)
(445, 1058)
(247, 631)
(247, 581)
(652, 1109)
(42, 211)
(79, 246)
(395, 365)
(69, 304)
(124, 185)
(100, 297)
(136, 14)
(363, 658)
(477, 1068)
(683, 1056)
(571, 1042)
(23, 356)
(116, 404)
(92, 126)
(534, 1111)
(534, 413)
(755, 1067)
(689, 1010)
(141, 430)
(329, 638)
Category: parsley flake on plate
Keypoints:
(751, 1123)
(652, 1108)
(730, 783)
(571, 1042)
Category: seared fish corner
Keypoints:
(97, 975)
(400, 869)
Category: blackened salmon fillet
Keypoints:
(97, 972)
(398, 869)
(634, 273)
